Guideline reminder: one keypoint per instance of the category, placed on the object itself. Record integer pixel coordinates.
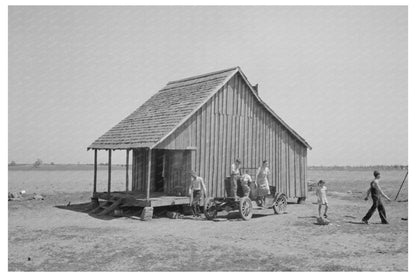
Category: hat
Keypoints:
(193, 173)
(237, 161)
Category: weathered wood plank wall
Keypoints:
(139, 170)
(233, 124)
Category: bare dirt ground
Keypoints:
(49, 236)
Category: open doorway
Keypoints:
(159, 170)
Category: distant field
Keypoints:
(64, 180)
(49, 179)
(356, 181)
(60, 167)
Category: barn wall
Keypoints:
(233, 124)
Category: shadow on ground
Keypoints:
(87, 208)
(159, 212)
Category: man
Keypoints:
(235, 175)
(197, 184)
(376, 194)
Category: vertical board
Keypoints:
(284, 177)
(209, 147)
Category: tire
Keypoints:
(280, 204)
(259, 202)
(246, 208)
(210, 209)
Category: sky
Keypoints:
(337, 75)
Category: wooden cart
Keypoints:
(245, 205)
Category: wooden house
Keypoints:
(203, 123)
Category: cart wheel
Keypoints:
(259, 202)
(280, 204)
(210, 209)
(246, 208)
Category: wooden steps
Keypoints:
(107, 207)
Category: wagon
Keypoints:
(245, 205)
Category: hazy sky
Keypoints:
(337, 75)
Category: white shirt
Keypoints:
(246, 178)
(235, 169)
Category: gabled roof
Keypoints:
(168, 109)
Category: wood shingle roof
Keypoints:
(163, 112)
(168, 109)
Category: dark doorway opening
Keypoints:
(159, 170)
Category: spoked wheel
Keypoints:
(246, 208)
(280, 204)
(259, 201)
(210, 209)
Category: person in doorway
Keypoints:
(245, 183)
(376, 194)
(322, 201)
(262, 182)
(196, 190)
(235, 174)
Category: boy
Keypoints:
(322, 201)
(376, 194)
(246, 180)
(197, 185)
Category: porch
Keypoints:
(159, 177)
(138, 199)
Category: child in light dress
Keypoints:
(322, 201)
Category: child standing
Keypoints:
(322, 201)
(245, 183)
(197, 186)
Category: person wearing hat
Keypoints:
(235, 175)
(376, 194)
(322, 201)
(197, 185)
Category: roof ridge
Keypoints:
(202, 75)
(166, 88)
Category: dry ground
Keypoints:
(48, 236)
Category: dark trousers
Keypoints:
(377, 204)
(234, 185)
(195, 202)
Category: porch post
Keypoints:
(149, 170)
(127, 170)
(95, 173)
(109, 173)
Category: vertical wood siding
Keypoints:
(233, 124)
(139, 171)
